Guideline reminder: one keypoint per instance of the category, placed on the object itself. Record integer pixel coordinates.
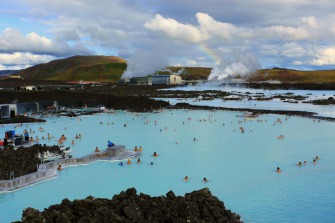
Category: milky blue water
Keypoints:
(249, 99)
(240, 167)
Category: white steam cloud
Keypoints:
(142, 64)
(242, 65)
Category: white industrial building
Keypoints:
(166, 80)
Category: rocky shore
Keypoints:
(20, 119)
(23, 160)
(197, 206)
(255, 111)
(139, 99)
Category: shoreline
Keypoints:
(304, 114)
(48, 171)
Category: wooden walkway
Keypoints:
(49, 170)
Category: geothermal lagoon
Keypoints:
(240, 167)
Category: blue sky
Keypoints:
(296, 34)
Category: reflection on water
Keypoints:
(240, 167)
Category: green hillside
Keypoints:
(88, 68)
(293, 76)
(111, 68)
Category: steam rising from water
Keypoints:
(141, 64)
(242, 65)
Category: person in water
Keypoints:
(121, 163)
(299, 164)
(314, 161)
(186, 178)
(138, 161)
(129, 161)
(278, 170)
(59, 168)
(152, 163)
(155, 154)
(205, 180)
(97, 150)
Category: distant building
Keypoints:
(30, 107)
(124, 81)
(26, 108)
(28, 88)
(4, 111)
(141, 81)
(166, 80)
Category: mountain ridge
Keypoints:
(110, 69)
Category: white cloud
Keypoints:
(284, 31)
(191, 63)
(15, 61)
(23, 58)
(218, 29)
(325, 56)
(176, 30)
(12, 40)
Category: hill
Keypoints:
(111, 68)
(7, 72)
(293, 76)
(76, 68)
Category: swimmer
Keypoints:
(135, 149)
(59, 168)
(72, 142)
(305, 162)
(121, 163)
(186, 178)
(155, 154)
(278, 170)
(299, 164)
(138, 161)
(317, 157)
(314, 161)
(152, 163)
(97, 149)
(140, 149)
(205, 180)
(49, 136)
(129, 161)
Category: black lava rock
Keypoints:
(198, 206)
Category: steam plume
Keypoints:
(242, 65)
(143, 63)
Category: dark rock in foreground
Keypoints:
(197, 206)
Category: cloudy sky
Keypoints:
(297, 34)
